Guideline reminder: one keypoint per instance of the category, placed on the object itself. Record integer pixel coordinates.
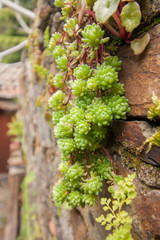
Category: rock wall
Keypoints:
(140, 75)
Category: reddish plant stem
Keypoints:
(91, 14)
(121, 5)
(69, 97)
(97, 93)
(90, 63)
(66, 76)
(78, 41)
(69, 3)
(71, 12)
(129, 35)
(112, 30)
(64, 34)
(102, 51)
(118, 12)
(86, 165)
(96, 57)
(84, 54)
(106, 151)
(71, 159)
(72, 62)
(121, 28)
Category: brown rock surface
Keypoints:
(150, 9)
(141, 75)
(132, 136)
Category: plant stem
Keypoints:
(112, 30)
(121, 5)
(96, 57)
(84, 54)
(66, 76)
(69, 3)
(69, 97)
(106, 151)
(102, 49)
(91, 14)
(129, 35)
(86, 165)
(71, 159)
(64, 34)
(121, 28)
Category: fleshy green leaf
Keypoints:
(105, 9)
(138, 45)
(130, 16)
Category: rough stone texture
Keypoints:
(42, 158)
(150, 9)
(141, 75)
(132, 135)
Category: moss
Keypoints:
(144, 28)
(129, 155)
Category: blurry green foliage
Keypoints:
(15, 127)
(11, 31)
(30, 229)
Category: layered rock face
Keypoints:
(140, 75)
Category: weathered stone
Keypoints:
(150, 9)
(149, 175)
(132, 136)
(79, 228)
(141, 75)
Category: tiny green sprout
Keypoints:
(154, 113)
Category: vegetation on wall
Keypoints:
(30, 229)
(15, 128)
(153, 114)
(117, 219)
(85, 97)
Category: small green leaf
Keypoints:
(105, 9)
(101, 218)
(117, 178)
(130, 16)
(109, 217)
(115, 205)
(103, 201)
(111, 189)
(108, 227)
(138, 45)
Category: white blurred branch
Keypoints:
(21, 20)
(19, 9)
(13, 49)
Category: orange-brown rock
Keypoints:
(132, 136)
(141, 74)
